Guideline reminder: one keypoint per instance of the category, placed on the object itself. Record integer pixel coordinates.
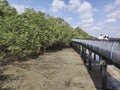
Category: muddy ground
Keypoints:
(60, 70)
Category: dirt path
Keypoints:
(62, 70)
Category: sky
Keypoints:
(93, 16)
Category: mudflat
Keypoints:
(60, 70)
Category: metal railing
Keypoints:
(108, 52)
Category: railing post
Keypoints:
(82, 52)
(104, 74)
(85, 55)
(75, 46)
(78, 46)
(94, 58)
(100, 58)
(81, 49)
(90, 57)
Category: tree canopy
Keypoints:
(23, 34)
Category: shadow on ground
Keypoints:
(95, 74)
(3, 79)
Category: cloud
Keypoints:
(114, 14)
(68, 19)
(43, 10)
(109, 7)
(112, 17)
(102, 24)
(74, 5)
(117, 2)
(87, 25)
(85, 11)
(112, 6)
(84, 7)
(87, 21)
(96, 28)
(57, 5)
(86, 15)
(109, 20)
(20, 8)
(81, 7)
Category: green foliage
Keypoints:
(24, 34)
(6, 9)
(79, 33)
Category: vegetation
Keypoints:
(29, 32)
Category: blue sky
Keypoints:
(93, 16)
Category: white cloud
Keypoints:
(43, 10)
(109, 7)
(20, 8)
(112, 6)
(85, 11)
(68, 19)
(87, 21)
(114, 14)
(86, 15)
(57, 5)
(74, 5)
(112, 17)
(87, 25)
(102, 24)
(96, 28)
(81, 7)
(84, 7)
(117, 2)
(105, 22)
(109, 20)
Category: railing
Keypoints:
(108, 52)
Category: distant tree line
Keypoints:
(29, 32)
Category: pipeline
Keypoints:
(107, 49)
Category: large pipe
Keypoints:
(107, 49)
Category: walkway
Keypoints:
(61, 70)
